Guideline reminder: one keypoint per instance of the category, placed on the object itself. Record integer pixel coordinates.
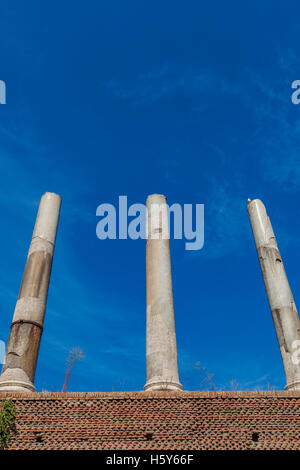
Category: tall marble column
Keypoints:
(162, 363)
(27, 326)
(279, 294)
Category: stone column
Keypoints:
(162, 364)
(26, 329)
(279, 294)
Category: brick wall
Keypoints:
(157, 420)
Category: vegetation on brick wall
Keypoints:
(75, 355)
(7, 421)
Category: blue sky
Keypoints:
(189, 99)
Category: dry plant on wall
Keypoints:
(75, 355)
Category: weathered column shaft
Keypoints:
(162, 363)
(26, 329)
(279, 294)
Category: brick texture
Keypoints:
(156, 420)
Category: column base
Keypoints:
(293, 386)
(15, 380)
(162, 385)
